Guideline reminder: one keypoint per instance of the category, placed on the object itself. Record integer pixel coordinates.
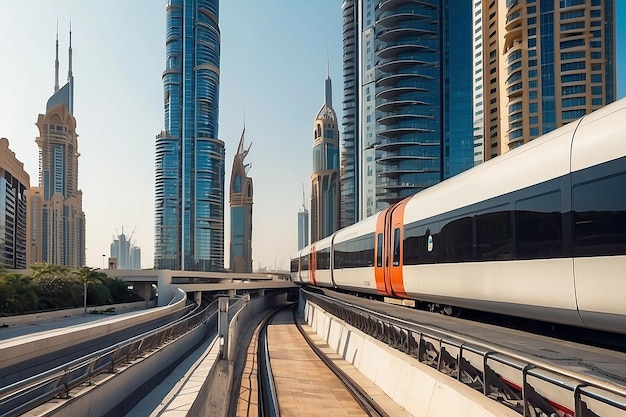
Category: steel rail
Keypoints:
(367, 403)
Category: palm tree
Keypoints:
(44, 269)
(87, 275)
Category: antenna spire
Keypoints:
(69, 71)
(56, 62)
(327, 64)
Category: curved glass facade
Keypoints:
(189, 202)
(408, 97)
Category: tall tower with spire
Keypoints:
(56, 222)
(325, 176)
(189, 157)
(241, 199)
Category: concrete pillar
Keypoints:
(198, 297)
(222, 326)
(261, 292)
(231, 293)
(144, 289)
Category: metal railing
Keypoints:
(25, 395)
(526, 384)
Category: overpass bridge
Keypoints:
(169, 281)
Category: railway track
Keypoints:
(294, 372)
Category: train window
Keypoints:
(304, 263)
(294, 265)
(420, 244)
(538, 227)
(379, 250)
(494, 237)
(355, 253)
(323, 259)
(413, 243)
(456, 240)
(599, 208)
(396, 247)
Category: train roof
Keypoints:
(537, 161)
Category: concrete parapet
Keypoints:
(418, 388)
(70, 312)
(21, 349)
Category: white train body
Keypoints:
(538, 232)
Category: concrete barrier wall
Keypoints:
(70, 312)
(420, 389)
(22, 349)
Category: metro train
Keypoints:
(538, 232)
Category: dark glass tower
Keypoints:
(189, 201)
(407, 99)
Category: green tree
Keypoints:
(86, 276)
(18, 294)
(56, 289)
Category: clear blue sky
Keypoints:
(273, 65)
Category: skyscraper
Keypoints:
(241, 193)
(303, 223)
(14, 182)
(408, 99)
(189, 189)
(127, 255)
(56, 229)
(546, 64)
(325, 177)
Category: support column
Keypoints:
(222, 326)
(198, 297)
(261, 292)
(231, 293)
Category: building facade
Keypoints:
(241, 200)
(547, 63)
(189, 177)
(303, 223)
(407, 99)
(14, 182)
(325, 214)
(56, 229)
(126, 254)
(478, 114)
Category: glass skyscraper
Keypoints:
(408, 99)
(189, 200)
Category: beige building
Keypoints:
(325, 215)
(56, 227)
(241, 200)
(543, 68)
(14, 183)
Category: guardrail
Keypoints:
(25, 395)
(523, 383)
(267, 399)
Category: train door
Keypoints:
(395, 247)
(381, 255)
(312, 265)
